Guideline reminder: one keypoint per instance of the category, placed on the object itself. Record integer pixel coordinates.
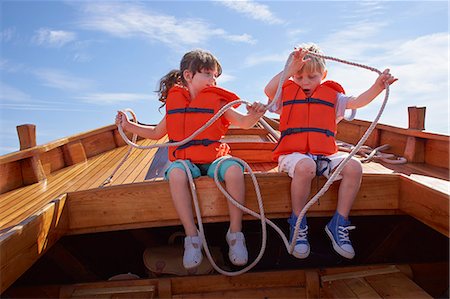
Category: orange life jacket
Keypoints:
(185, 115)
(308, 125)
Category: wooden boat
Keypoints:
(62, 235)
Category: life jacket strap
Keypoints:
(290, 131)
(191, 110)
(204, 142)
(308, 101)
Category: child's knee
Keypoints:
(305, 168)
(353, 168)
(177, 175)
(234, 172)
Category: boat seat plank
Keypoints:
(143, 168)
(19, 204)
(396, 285)
(137, 161)
(37, 195)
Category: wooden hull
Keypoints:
(52, 191)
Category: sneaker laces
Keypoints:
(302, 235)
(344, 233)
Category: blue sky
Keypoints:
(68, 66)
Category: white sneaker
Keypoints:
(192, 252)
(237, 253)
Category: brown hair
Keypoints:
(194, 61)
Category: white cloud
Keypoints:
(253, 10)
(224, 78)
(7, 34)
(12, 94)
(61, 80)
(128, 20)
(422, 66)
(112, 98)
(38, 107)
(257, 59)
(53, 38)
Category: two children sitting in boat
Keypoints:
(310, 109)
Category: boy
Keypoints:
(309, 115)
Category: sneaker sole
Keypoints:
(301, 256)
(336, 247)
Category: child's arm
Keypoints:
(369, 95)
(297, 63)
(148, 132)
(246, 121)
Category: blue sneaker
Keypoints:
(301, 249)
(338, 231)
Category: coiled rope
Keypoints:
(272, 106)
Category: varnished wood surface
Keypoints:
(18, 204)
(378, 281)
(69, 201)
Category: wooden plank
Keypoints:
(359, 274)
(19, 204)
(91, 292)
(136, 160)
(10, 176)
(74, 153)
(123, 206)
(53, 160)
(21, 246)
(337, 289)
(249, 280)
(17, 208)
(312, 284)
(143, 168)
(99, 143)
(397, 130)
(361, 288)
(437, 153)
(285, 292)
(425, 204)
(414, 150)
(142, 288)
(396, 285)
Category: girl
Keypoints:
(191, 98)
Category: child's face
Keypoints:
(203, 79)
(308, 81)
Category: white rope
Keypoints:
(134, 138)
(369, 154)
(274, 103)
(341, 165)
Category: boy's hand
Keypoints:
(256, 108)
(385, 77)
(298, 61)
(122, 120)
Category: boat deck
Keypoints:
(54, 190)
(19, 204)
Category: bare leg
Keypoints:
(235, 185)
(351, 181)
(181, 198)
(305, 171)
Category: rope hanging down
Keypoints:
(272, 106)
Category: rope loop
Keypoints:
(273, 105)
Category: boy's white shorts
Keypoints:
(286, 163)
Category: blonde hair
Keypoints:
(314, 64)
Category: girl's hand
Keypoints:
(385, 77)
(256, 108)
(122, 120)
